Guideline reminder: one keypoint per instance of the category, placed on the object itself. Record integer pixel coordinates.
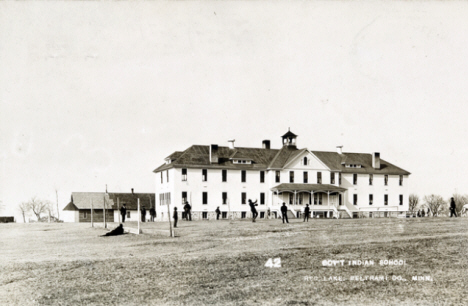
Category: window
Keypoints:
(205, 198)
(319, 177)
(354, 179)
(291, 198)
(354, 199)
(385, 201)
(317, 198)
(339, 178)
(340, 200)
(244, 198)
(371, 178)
(243, 214)
(401, 180)
(277, 176)
(262, 198)
(371, 199)
(306, 177)
(224, 175)
(310, 199)
(291, 176)
(332, 178)
(401, 199)
(167, 176)
(300, 198)
(184, 174)
(305, 162)
(205, 215)
(386, 180)
(184, 197)
(224, 214)
(243, 176)
(224, 197)
(161, 177)
(262, 215)
(262, 176)
(204, 175)
(128, 214)
(85, 215)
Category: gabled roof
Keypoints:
(198, 156)
(83, 200)
(336, 162)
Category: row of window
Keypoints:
(305, 178)
(371, 179)
(224, 197)
(371, 199)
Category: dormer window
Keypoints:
(353, 166)
(241, 161)
(305, 162)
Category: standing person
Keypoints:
(306, 213)
(253, 209)
(423, 213)
(123, 212)
(152, 213)
(419, 213)
(187, 208)
(284, 212)
(143, 214)
(175, 216)
(218, 212)
(269, 213)
(453, 208)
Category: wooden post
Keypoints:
(104, 210)
(92, 224)
(139, 215)
(171, 233)
(118, 208)
(58, 213)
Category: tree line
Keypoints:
(436, 204)
(37, 207)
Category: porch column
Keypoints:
(295, 201)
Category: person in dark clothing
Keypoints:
(419, 213)
(453, 208)
(218, 212)
(187, 209)
(175, 216)
(116, 231)
(253, 209)
(423, 213)
(123, 212)
(284, 212)
(306, 213)
(152, 213)
(143, 214)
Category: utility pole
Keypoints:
(58, 214)
(92, 223)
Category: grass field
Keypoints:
(223, 263)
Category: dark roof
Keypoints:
(307, 187)
(336, 162)
(83, 200)
(199, 157)
(289, 134)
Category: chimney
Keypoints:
(266, 144)
(132, 190)
(231, 143)
(339, 149)
(214, 154)
(376, 160)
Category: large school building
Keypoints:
(334, 184)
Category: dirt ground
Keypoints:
(226, 262)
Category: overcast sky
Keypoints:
(96, 93)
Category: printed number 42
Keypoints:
(273, 263)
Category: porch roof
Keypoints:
(307, 187)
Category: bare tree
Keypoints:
(435, 203)
(38, 207)
(413, 203)
(24, 209)
(460, 200)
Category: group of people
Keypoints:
(186, 214)
(152, 211)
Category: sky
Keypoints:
(99, 93)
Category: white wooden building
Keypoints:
(334, 184)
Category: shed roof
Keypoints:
(83, 200)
